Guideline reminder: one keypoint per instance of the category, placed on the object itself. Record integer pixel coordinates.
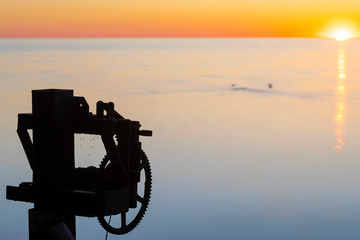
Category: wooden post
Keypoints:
(53, 154)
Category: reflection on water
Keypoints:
(340, 102)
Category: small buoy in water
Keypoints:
(270, 85)
(233, 85)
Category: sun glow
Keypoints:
(342, 34)
(340, 30)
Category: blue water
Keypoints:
(231, 158)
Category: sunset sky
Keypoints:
(177, 18)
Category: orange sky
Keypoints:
(173, 18)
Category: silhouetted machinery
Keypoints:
(60, 191)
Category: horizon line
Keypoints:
(162, 37)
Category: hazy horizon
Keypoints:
(195, 18)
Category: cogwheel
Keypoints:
(143, 201)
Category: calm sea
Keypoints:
(231, 157)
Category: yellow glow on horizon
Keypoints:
(196, 18)
(342, 34)
(340, 30)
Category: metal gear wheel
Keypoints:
(143, 200)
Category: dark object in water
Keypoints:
(239, 88)
(270, 85)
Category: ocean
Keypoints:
(231, 157)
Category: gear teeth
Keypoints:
(147, 195)
(103, 162)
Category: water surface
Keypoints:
(231, 158)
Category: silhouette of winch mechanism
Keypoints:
(61, 189)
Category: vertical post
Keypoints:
(53, 137)
(53, 146)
